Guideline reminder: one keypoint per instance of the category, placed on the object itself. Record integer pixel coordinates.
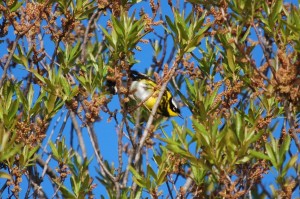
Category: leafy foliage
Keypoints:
(233, 64)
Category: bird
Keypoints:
(142, 90)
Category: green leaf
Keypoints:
(201, 133)
(135, 173)
(243, 160)
(138, 194)
(190, 88)
(245, 36)
(13, 110)
(108, 37)
(15, 5)
(30, 96)
(230, 58)
(118, 27)
(161, 178)
(24, 60)
(5, 175)
(276, 8)
(211, 99)
(258, 154)
(151, 172)
(238, 123)
(53, 149)
(170, 23)
(50, 103)
(284, 147)
(183, 32)
(65, 192)
(37, 106)
(75, 52)
(37, 75)
(290, 164)
(272, 155)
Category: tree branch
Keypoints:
(150, 120)
(79, 134)
(5, 68)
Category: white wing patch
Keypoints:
(141, 90)
(174, 103)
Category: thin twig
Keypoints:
(187, 185)
(46, 165)
(61, 130)
(173, 184)
(120, 150)
(130, 159)
(51, 173)
(5, 68)
(55, 52)
(261, 43)
(292, 125)
(37, 189)
(100, 161)
(3, 188)
(132, 152)
(53, 129)
(150, 120)
(95, 16)
(79, 134)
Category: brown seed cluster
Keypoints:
(236, 189)
(93, 107)
(176, 164)
(63, 171)
(287, 189)
(190, 70)
(148, 23)
(229, 191)
(228, 97)
(73, 105)
(220, 13)
(32, 133)
(26, 20)
(198, 191)
(103, 4)
(116, 8)
(90, 192)
(257, 81)
(287, 82)
(116, 76)
(16, 174)
(263, 122)
(65, 32)
(149, 140)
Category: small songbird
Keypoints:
(143, 90)
(143, 86)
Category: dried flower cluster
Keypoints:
(287, 82)
(31, 134)
(63, 171)
(16, 173)
(228, 97)
(176, 164)
(93, 108)
(30, 18)
(239, 187)
(190, 70)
